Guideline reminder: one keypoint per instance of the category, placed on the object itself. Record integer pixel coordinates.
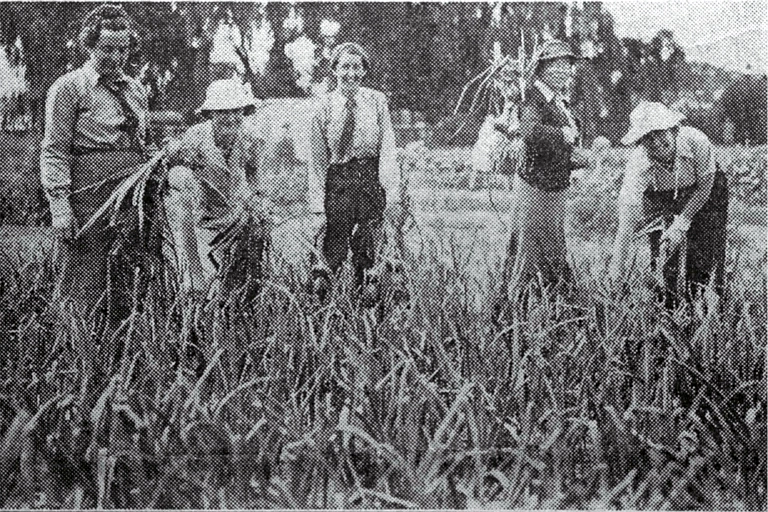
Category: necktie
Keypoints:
(348, 130)
(131, 124)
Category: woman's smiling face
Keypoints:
(349, 72)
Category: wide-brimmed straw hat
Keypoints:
(648, 117)
(228, 94)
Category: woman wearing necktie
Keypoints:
(354, 175)
(549, 131)
(95, 127)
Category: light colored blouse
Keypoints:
(226, 179)
(81, 112)
(694, 164)
(373, 137)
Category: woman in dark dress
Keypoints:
(537, 249)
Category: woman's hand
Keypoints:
(675, 234)
(580, 158)
(63, 219)
(570, 134)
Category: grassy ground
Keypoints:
(607, 402)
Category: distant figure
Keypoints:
(355, 176)
(95, 134)
(537, 245)
(672, 179)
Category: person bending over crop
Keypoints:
(354, 175)
(213, 174)
(673, 184)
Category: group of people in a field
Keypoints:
(96, 122)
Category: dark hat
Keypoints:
(556, 49)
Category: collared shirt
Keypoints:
(373, 137)
(228, 180)
(80, 112)
(694, 159)
(551, 95)
(694, 164)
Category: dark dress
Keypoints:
(704, 253)
(537, 244)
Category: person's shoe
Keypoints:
(371, 294)
(320, 284)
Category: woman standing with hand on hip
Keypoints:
(354, 174)
(95, 129)
(672, 180)
(537, 245)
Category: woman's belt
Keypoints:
(366, 168)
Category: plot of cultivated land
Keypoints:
(450, 219)
(609, 402)
(455, 223)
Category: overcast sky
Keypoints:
(729, 33)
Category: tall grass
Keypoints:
(610, 402)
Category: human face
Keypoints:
(111, 51)
(226, 125)
(660, 144)
(556, 73)
(349, 73)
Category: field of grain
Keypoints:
(606, 402)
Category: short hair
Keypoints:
(351, 48)
(106, 17)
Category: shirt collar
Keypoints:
(547, 91)
(93, 76)
(684, 144)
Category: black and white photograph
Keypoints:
(383, 255)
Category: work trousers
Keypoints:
(354, 211)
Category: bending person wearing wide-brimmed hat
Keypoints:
(95, 131)
(549, 131)
(673, 185)
(213, 172)
(354, 175)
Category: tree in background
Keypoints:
(743, 103)
(423, 53)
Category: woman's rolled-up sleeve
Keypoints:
(56, 155)
(706, 166)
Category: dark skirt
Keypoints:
(704, 252)
(85, 261)
(537, 249)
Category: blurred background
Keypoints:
(706, 59)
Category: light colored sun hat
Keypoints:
(227, 94)
(648, 117)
